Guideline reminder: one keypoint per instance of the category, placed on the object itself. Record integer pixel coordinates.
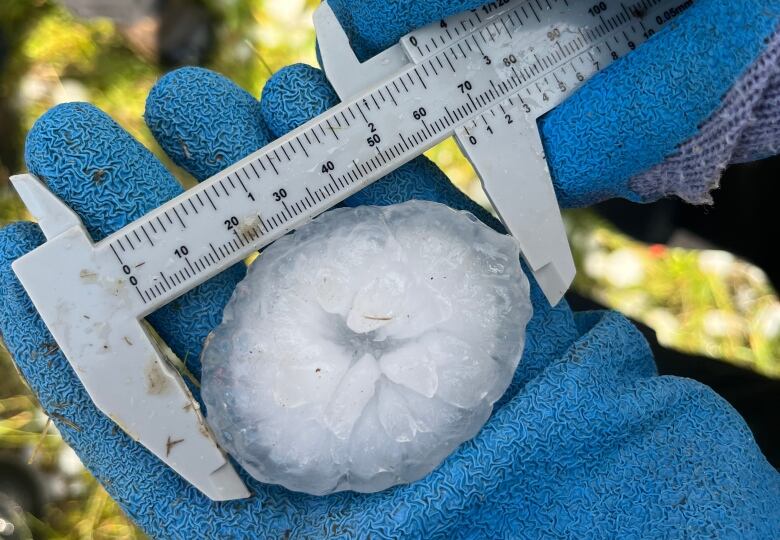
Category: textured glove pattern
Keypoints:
(641, 111)
(746, 127)
(587, 442)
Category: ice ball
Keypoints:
(362, 349)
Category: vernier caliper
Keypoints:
(484, 76)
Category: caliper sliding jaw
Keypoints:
(513, 168)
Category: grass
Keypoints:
(80, 507)
(701, 302)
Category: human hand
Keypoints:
(573, 448)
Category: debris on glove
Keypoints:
(364, 348)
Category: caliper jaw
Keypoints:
(344, 71)
(53, 216)
(109, 348)
(509, 161)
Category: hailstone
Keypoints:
(362, 349)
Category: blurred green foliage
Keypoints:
(702, 302)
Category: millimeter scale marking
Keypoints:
(484, 76)
(237, 224)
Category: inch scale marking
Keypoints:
(301, 175)
(484, 76)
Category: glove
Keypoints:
(587, 441)
(666, 120)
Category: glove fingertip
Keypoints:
(295, 95)
(374, 25)
(96, 167)
(204, 121)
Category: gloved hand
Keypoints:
(587, 441)
(666, 120)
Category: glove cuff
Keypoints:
(745, 127)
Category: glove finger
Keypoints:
(374, 25)
(96, 167)
(295, 95)
(110, 179)
(650, 105)
(744, 127)
(203, 121)
(638, 130)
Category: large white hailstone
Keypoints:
(364, 348)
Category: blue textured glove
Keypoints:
(666, 120)
(587, 441)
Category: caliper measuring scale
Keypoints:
(484, 76)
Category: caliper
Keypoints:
(484, 77)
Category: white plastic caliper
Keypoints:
(484, 76)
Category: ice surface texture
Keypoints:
(363, 349)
